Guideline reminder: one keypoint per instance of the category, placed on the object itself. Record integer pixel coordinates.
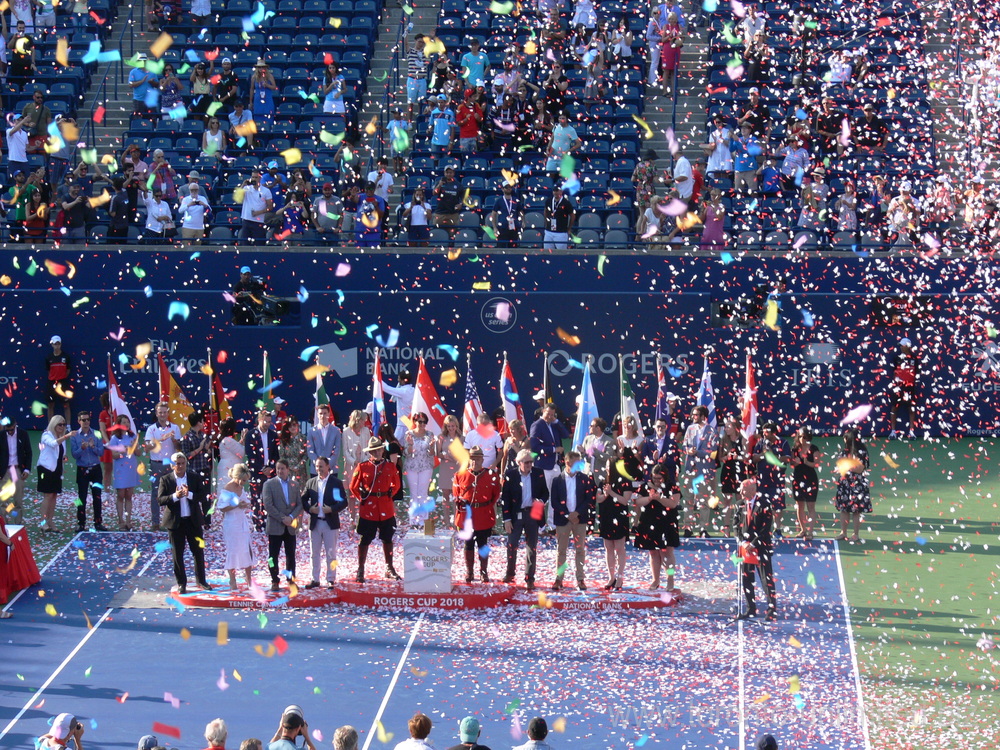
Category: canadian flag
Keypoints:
(749, 412)
(425, 399)
(117, 402)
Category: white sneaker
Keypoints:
(911, 435)
(892, 435)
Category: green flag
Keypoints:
(321, 397)
(267, 402)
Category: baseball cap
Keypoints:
(62, 725)
(141, 57)
(906, 186)
(195, 173)
(55, 340)
(754, 90)
(147, 742)
(278, 400)
(245, 269)
(328, 185)
(468, 730)
(868, 106)
(292, 709)
(442, 97)
(905, 342)
(272, 164)
(539, 395)
(227, 60)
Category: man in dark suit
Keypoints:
(658, 448)
(547, 434)
(261, 455)
(758, 518)
(15, 460)
(574, 497)
(323, 499)
(181, 496)
(523, 487)
(282, 502)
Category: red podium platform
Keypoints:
(378, 594)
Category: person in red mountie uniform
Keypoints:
(903, 389)
(479, 489)
(374, 483)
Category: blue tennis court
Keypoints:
(684, 676)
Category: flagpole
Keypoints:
(545, 379)
(621, 394)
(212, 406)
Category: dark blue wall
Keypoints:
(827, 356)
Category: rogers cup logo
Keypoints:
(499, 315)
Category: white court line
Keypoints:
(392, 684)
(69, 657)
(743, 715)
(862, 719)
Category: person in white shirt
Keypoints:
(158, 215)
(162, 440)
(192, 211)
(257, 202)
(403, 393)
(417, 215)
(752, 24)
(720, 158)
(682, 178)
(420, 727)
(382, 179)
(17, 148)
(486, 437)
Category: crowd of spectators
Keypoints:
(520, 127)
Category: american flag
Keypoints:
(473, 406)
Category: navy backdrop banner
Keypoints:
(836, 326)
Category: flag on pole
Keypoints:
(117, 402)
(628, 407)
(425, 399)
(587, 411)
(706, 396)
(508, 394)
(473, 406)
(221, 404)
(320, 396)
(267, 402)
(172, 395)
(749, 408)
(662, 410)
(378, 396)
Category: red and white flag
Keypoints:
(116, 403)
(425, 399)
(749, 411)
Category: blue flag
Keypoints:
(706, 396)
(587, 411)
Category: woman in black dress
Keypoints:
(656, 530)
(733, 459)
(805, 480)
(614, 510)
(854, 488)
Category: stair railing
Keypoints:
(114, 72)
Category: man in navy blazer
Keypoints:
(573, 498)
(547, 434)
(261, 454)
(323, 499)
(324, 439)
(758, 519)
(659, 447)
(523, 486)
(15, 460)
(182, 494)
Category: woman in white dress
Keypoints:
(234, 504)
(231, 450)
(353, 442)
(420, 451)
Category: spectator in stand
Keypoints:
(974, 210)
(474, 63)
(744, 148)
(227, 90)
(345, 738)
(538, 730)
(559, 218)
(840, 73)
(794, 164)
(564, 142)
(38, 115)
(828, 126)
(170, 92)
(133, 158)
(904, 216)
(332, 90)
(416, 218)
(213, 141)
(449, 199)
(192, 211)
(275, 180)
(257, 203)
(76, 210)
(644, 180)
(294, 215)
(420, 728)
(752, 24)
(369, 223)
(262, 88)
(144, 86)
(506, 216)
(757, 115)
(193, 179)
(382, 179)
(555, 87)
(58, 160)
(45, 17)
(941, 203)
(720, 158)
(870, 132)
(201, 89)
(654, 36)
(326, 208)
(399, 141)
(17, 147)
(416, 74)
(159, 219)
(241, 127)
(20, 56)
(468, 735)
(846, 209)
(469, 117)
(713, 214)
(682, 179)
(118, 211)
(36, 221)
(650, 224)
(163, 175)
(758, 57)
(670, 51)
(441, 128)
(17, 197)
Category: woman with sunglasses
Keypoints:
(124, 446)
(213, 141)
(51, 454)
(421, 448)
(170, 90)
(201, 91)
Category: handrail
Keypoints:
(118, 66)
(391, 87)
